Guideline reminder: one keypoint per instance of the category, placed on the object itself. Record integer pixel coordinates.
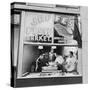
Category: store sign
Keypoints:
(38, 27)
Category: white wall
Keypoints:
(84, 27)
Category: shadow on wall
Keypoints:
(30, 55)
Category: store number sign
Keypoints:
(39, 27)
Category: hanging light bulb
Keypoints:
(40, 47)
(53, 47)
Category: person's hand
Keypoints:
(47, 64)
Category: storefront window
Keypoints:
(51, 45)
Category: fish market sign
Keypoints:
(38, 27)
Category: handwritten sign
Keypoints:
(39, 27)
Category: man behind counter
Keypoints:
(71, 63)
(42, 61)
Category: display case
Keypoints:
(47, 44)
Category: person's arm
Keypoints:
(37, 64)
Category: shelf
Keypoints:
(40, 75)
(37, 43)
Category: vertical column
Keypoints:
(20, 57)
(53, 29)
